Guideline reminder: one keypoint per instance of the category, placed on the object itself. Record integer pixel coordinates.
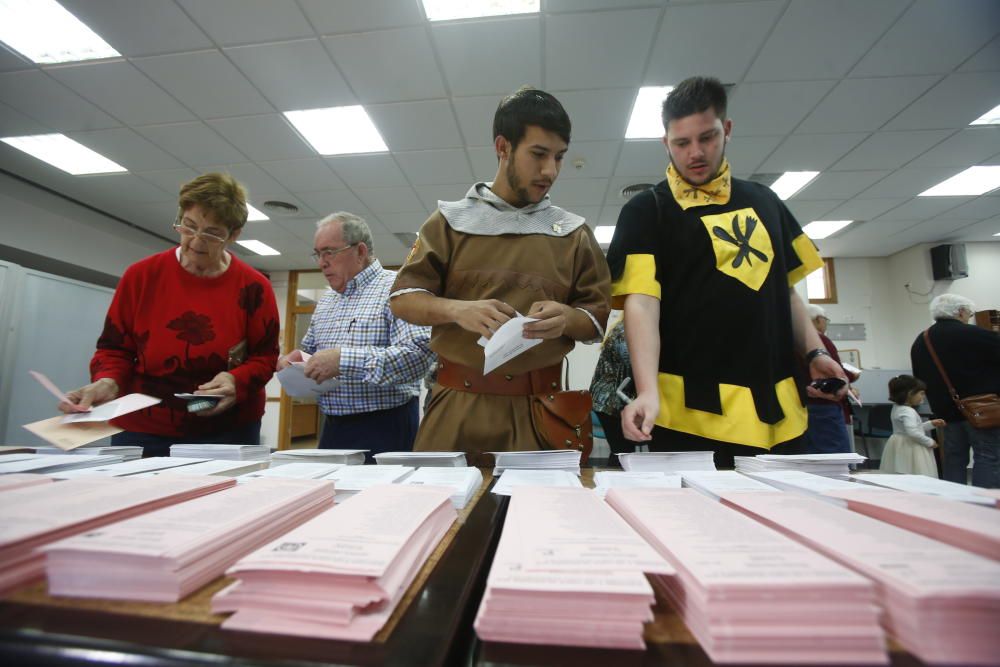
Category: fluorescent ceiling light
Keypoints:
(604, 234)
(820, 229)
(338, 130)
(791, 182)
(972, 182)
(253, 215)
(46, 33)
(997, 234)
(259, 247)
(445, 10)
(646, 121)
(991, 117)
(62, 152)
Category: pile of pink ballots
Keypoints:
(33, 516)
(748, 593)
(164, 555)
(974, 528)
(341, 574)
(568, 571)
(941, 603)
(21, 480)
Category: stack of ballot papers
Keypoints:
(164, 555)
(748, 593)
(291, 471)
(219, 467)
(463, 482)
(713, 483)
(16, 449)
(969, 527)
(927, 485)
(828, 465)
(227, 452)
(37, 515)
(513, 479)
(615, 479)
(993, 494)
(347, 457)
(47, 464)
(569, 571)
(127, 452)
(340, 575)
(350, 480)
(546, 459)
(816, 486)
(21, 480)
(939, 602)
(126, 468)
(669, 462)
(422, 459)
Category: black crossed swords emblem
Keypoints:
(741, 239)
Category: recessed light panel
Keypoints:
(254, 215)
(46, 33)
(646, 121)
(972, 182)
(820, 229)
(445, 10)
(991, 117)
(62, 152)
(338, 130)
(791, 182)
(604, 234)
(258, 247)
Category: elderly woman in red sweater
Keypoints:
(191, 319)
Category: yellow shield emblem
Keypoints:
(742, 245)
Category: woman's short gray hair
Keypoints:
(353, 229)
(947, 306)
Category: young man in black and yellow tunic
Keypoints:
(703, 266)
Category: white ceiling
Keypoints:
(876, 94)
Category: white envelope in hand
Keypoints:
(111, 409)
(295, 383)
(507, 342)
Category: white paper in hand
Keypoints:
(111, 409)
(507, 342)
(295, 383)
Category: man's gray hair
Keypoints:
(947, 306)
(815, 311)
(353, 229)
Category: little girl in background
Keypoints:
(909, 448)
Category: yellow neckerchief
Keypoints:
(716, 191)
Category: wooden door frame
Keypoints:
(292, 309)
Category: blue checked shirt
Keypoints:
(382, 359)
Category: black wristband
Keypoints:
(818, 352)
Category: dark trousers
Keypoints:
(159, 445)
(959, 438)
(827, 432)
(665, 440)
(391, 430)
(612, 425)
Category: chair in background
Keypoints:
(876, 423)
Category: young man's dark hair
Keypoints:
(529, 106)
(694, 95)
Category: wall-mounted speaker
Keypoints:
(948, 262)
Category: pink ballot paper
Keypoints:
(341, 574)
(748, 593)
(37, 515)
(568, 571)
(940, 603)
(164, 555)
(21, 480)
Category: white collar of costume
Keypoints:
(483, 213)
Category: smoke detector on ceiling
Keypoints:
(280, 208)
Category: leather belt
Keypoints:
(463, 378)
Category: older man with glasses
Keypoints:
(380, 360)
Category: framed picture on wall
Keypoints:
(852, 357)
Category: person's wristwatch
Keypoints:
(818, 352)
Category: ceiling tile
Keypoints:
(598, 157)
(257, 181)
(986, 230)
(774, 108)
(50, 103)
(840, 184)
(907, 182)
(10, 60)
(205, 82)
(569, 63)
(388, 65)
(746, 153)
(865, 105)
(979, 208)
(680, 51)
(645, 159)
(609, 215)
(408, 126)
(305, 175)
(924, 208)
(231, 22)
(807, 211)
(985, 60)
(580, 5)
(864, 209)
(484, 163)
(889, 150)
(811, 152)
(192, 143)
(103, 190)
(406, 221)
(478, 59)
(572, 192)
(590, 214)
(596, 114)
(267, 137)
(978, 91)
(816, 39)
(13, 123)
(389, 200)
(962, 149)
(127, 148)
(367, 171)
(336, 16)
(288, 73)
(475, 118)
(430, 195)
(956, 28)
(430, 167)
(934, 231)
(169, 180)
(325, 202)
(153, 216)
(140, 27)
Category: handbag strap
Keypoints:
(937, 362)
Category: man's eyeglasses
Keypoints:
(205, 236)
(329, 253)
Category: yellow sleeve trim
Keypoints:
(639, 277)
(806, 251)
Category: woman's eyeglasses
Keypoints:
(192, 232)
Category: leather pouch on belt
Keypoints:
(562, 419)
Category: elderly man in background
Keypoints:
(971, 358)
(378, 358)
(827, 431)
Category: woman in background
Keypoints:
(191, 319)
(613, 367)
(908, 449)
